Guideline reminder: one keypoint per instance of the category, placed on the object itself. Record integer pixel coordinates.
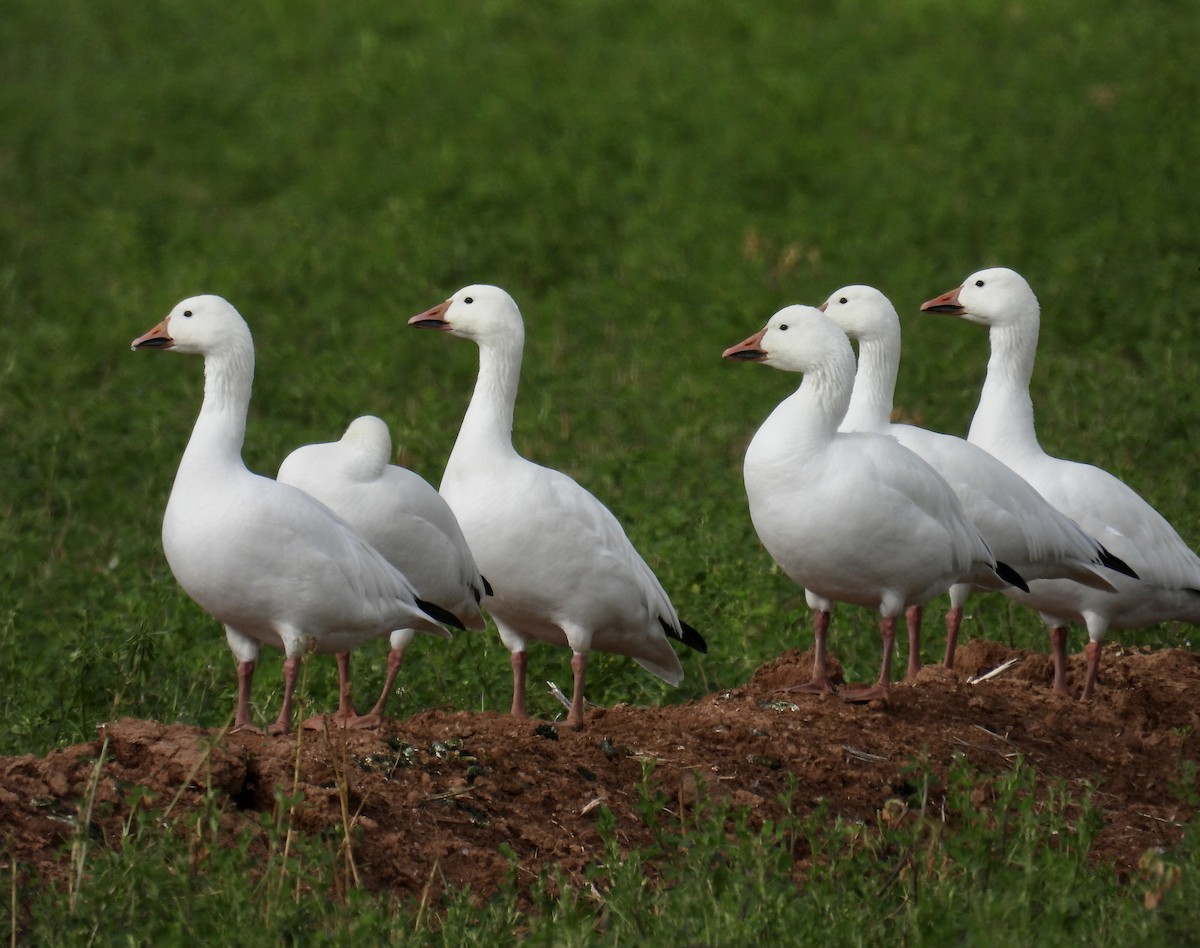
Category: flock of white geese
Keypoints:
(343, 546)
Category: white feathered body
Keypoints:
(271, 563)
(1019, 526)
(1168, 584)
(857, 518)
(396, 510)
(561, 568)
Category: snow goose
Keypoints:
(401, 515)
(850, 516)
(270, 563)
(1105, 507)
(562, 568)
(1019, 526)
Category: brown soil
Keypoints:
(435, 796)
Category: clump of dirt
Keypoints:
(435, 796)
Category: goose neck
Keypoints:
(874, 384)
(807, 420)
(488, 420)
(220, 428)
(1003, 422)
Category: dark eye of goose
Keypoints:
(469, 299)
(187, 314)
(843, 301)
(979, 282)
(783, 328)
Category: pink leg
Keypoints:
(953, 621)
(374, 717)
(345, 714)
(579, 663)
(879, 691)
(241, 718)
(1093, 669)
(291, 670)
(912, 617)
(820, 683)
(1058, 645)
(519, 660)
(346, 710)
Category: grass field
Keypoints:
(651, 182)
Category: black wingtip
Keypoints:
(693, 639)
(685, 634)
(444, 616)
(1115, 562)
(1011, 576)
(480, 593)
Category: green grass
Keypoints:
(651, 183)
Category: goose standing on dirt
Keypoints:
(851, 517)
(1168, 587)
(270, 563)
(562, 568)
(400, 514)
(1019, 526)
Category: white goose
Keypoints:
(850, 516)
(1019, 526)
(1105, 507)
(402, 516)
(267, 561)
(562, 568)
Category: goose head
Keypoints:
(369, 431)
(994, 297)
(365, 450)
(860, 311)
(476, 312)
(200, 324)
(796, 339)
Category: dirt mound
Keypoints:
(437, 795)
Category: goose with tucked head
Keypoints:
(850, 516)
(1168, 587)
(266, 560)
(400, 514)
(562, 569)
(1019, 526)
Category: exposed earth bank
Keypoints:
(434, 797)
